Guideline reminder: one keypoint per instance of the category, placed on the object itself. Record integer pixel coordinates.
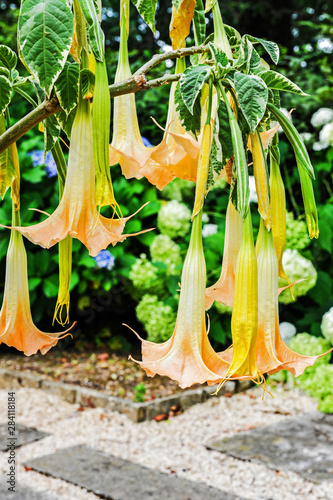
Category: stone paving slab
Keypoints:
(115, 479)
(23, 492)
(23, 434)
(303, 444)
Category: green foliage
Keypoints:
(96, 35)
(158, 318)
(139, 393)
(145, 278)
(297, 234)
(5, 92)
(146, 9)
(252, 96)
(67, 87)
(164, 250)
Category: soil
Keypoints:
(108, 372)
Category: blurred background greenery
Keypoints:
(136, 282)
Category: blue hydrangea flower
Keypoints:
(38, 159)
(105, 259)
(146, 142)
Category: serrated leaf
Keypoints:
(271, 48)
(191, 83)
(87, 83)
(224, 133)
(7, 169)
(218, 55)
(5, 92)
(95, 33)
(66, 122)
(8, 58)
(216, 158)
(277, 81)
(255, 61)
(45, 32)
(51, 132)
(5, 72)
(181, 23)
(199, 23)
(190, 122)
(244, 55)
(252, 94)
(302, 157)
(147, 9)
(67, 86)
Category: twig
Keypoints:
(133, 84)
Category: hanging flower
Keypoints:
(76, 214)
(223, 290)
(244, 319)
(16, 325)
(187, 356)
(272, 353)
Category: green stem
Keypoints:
(26, 96)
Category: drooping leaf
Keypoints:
(191, 122)
(147, 9)
(216, 158)
(224, 133)
(302, 157)
(45, 32)
(232, 34)
(67, 86)
(252, 94)
(5, 92)
(66, 122)
(8, 58)
(87, 83)
(96, 35)
(51, 132)
(277, 81)
(255, 61)
(7, 169)
(191, 83)
(199, 23)
(271, 47)
(181, 23)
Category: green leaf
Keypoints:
(277, 81)
(8, 58)
(224, 133)
(7, 169)
(66, 122)
(45, 31)
(218, 55)
(325, 239)
(252, 94)
(96, 35)
(199, 23)
(271, 47)
(5, 92)
(51, 132)
(191, 83)
(295, 140)
(215, 159)
(87, 83)
(245, 55)
(50, 286)
(209, 5)
(255, 61)
(232, 34)
(147, 9)
(5, 72)
(190, 122)
(67, 87)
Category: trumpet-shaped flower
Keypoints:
(16, 325)
(260, 175)
(187, 356)
(127, 147)
(272, 353)
(223, 290)
(244, 319)
(76, 214)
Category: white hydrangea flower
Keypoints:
(253, 191)
(174, 219)
(321, 117)
(325, 137)
(297, 267)
(287, 331)
(209, 230)
(306, 136)
(327, 325)
(163, 249)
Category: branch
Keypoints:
(133, 84)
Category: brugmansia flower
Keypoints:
(16, 325)
(272, 353)
(261, 180)
(187, 356)
(244, 319)
(76, 214)
(223, 290)
(127, 147)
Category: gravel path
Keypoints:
(174, 446)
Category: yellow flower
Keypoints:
(76, 214)
(271, 352)
(16, 325)
(260, 176)
(223, 290)
(244, 320)
(187, 356)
